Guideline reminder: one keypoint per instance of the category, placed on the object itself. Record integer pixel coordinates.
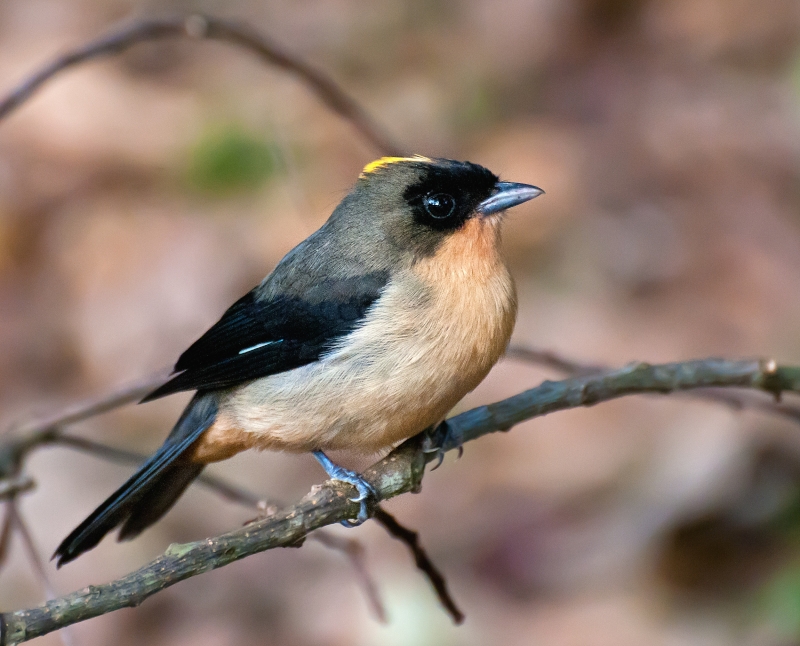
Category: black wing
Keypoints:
(259, 337)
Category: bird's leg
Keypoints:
(365, 490)
(439, 440)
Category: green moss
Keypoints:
(230, 160)
(780, 601)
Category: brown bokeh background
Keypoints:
(665, 133)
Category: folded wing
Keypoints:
(259, 336)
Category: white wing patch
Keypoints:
(257, 346)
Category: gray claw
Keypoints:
(435, 441)
(439, 459)
(366, 491)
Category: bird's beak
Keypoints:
(506, 195)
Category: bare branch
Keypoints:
(30, 435)
(5, 537)
(742, 400)
(551, 359)
(208, 28)
(422, 560)
(399, 472)
(224, 488)
(95, 406)
(30, 547)
(354, 551)
(15, 519)
(351, 548)
(10, 489)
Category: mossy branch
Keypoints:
(399, 472)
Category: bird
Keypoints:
(366, 333)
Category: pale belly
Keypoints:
(361, 402)
(390, 379)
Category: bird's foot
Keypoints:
(439, 440)
(366, 492)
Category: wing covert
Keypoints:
(258, 337)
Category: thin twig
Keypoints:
(10, 489)
(23, 438)
(551, 359)
(30, 547)
(15, 520)
(354, 551)
(399, 472)
(422, 560)
(736, 400)
(93, 406)
(225, 489)
(205, 27)
(5, 535)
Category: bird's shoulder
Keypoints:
(291, 319)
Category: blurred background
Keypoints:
(141, 195)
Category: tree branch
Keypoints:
(45, 430)
(354, 551)
(205, 27)
(399, 472)
(351, 548)
(95, 405)
(227, 490)
(5, 540)
(13, 487)
(422, 561)
(736, 400)
(551, 359)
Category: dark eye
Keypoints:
(439, 205)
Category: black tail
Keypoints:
(149, 492)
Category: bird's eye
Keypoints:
(439, 205)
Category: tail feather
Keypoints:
(151, 491)
(160, 498)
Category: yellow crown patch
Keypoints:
(386, 161)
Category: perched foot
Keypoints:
(439, 440)
(364, 488)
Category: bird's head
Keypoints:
(417, 202)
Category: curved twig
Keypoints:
(422, 561)
(205, 27)
(354, 551)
